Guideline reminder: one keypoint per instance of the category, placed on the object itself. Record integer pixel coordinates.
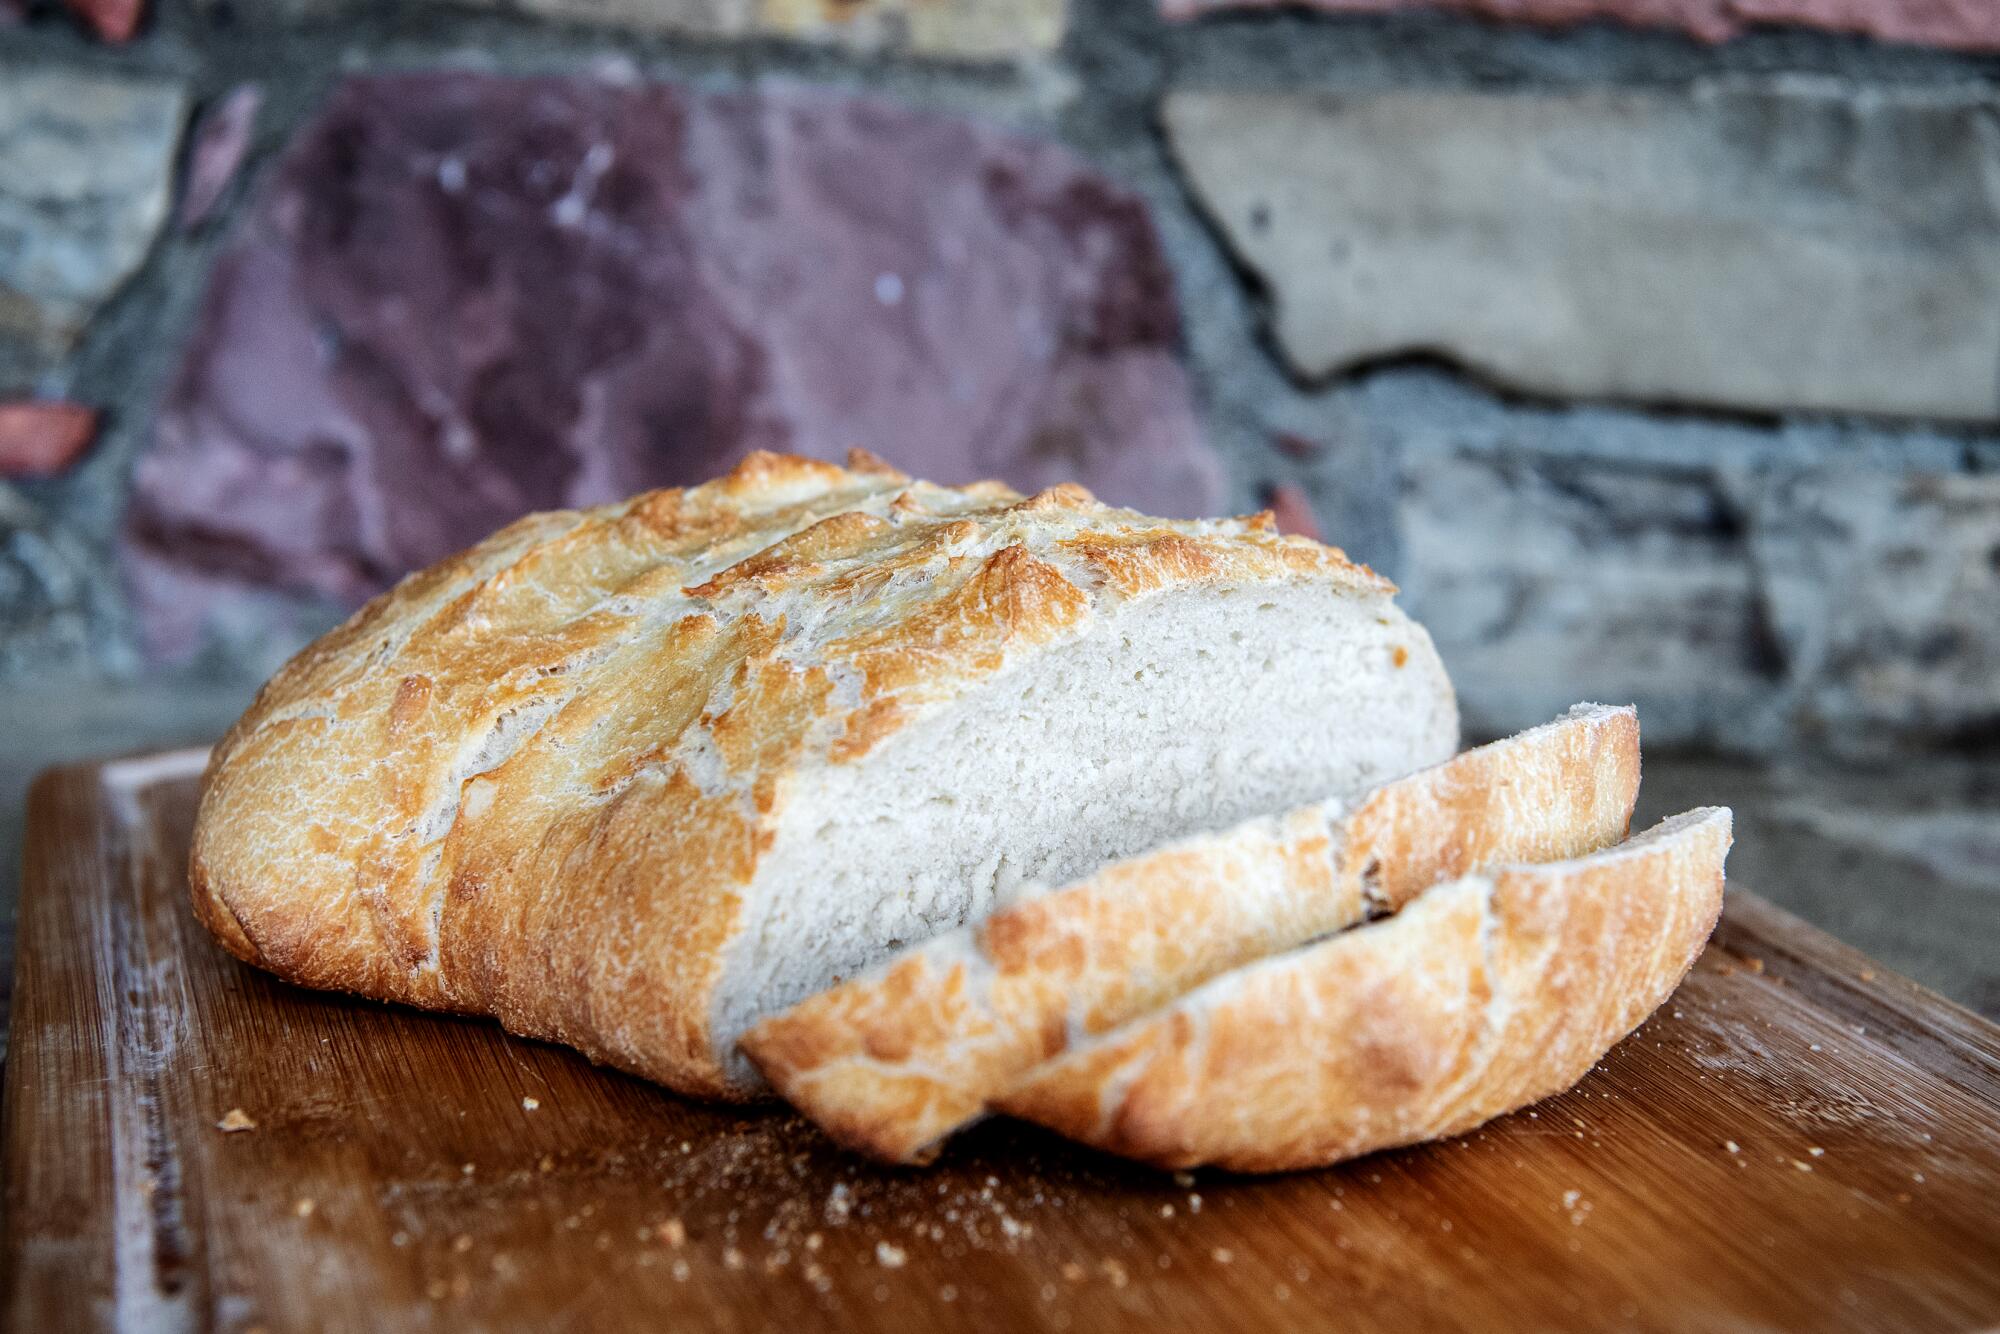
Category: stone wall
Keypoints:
(1653, 346)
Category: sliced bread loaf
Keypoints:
(633, 778)
(893, 1061)
(1479, 997)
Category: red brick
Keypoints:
(40, 439)
(112, 20)
(1293, 511)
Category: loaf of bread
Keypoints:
(637, 777)
(893, 1061)
(1479, 997)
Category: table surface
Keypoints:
(1799, 1139)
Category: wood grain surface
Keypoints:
(1798, 1140)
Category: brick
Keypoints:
(46, 605)
(978, 30)
(1293, 511)
(459, 297)
(86, 166)
(1545, 580)
(41, 438)
(975, 29)
(1884, 591)
(1771, 245)
(111, 20)
(1971, 25)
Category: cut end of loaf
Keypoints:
(1176, 714)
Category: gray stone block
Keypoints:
(952, 29)
(1884, 591)
(1548, 580)
(45, 590)
(1771, 244)
(86, 169)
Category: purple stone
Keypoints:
(460, 297)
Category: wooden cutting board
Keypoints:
(1799, 1139)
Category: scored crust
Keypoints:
(537, 779)
(1480, 997)
(893, 1061)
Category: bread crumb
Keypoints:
(890, 1257)
(681, 1271)
(235, 1120)
(467, 1170)
(1183, 1179)
(1166, 1211)
(304, 1207)
(732, 1258)
(1194, 1204)
(1115, 1272)
(1222, 1255)
(461, 1243)
(1732, 1146)
(547, 1165)
(673, 1232)
(1802, 1166)
(436, 1289)
(1817, 1152)
(1072, 1272)
(813, 1241)
(530, 1104)
(1866, 975)
(947, 1293)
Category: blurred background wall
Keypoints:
(1653, 346)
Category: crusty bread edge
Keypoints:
(1481, 997)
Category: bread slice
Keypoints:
(893, 1061)
(1480, 997)
(634, 777)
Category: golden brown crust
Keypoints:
(538, 779)
(895, 1060)
(1480, 997)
